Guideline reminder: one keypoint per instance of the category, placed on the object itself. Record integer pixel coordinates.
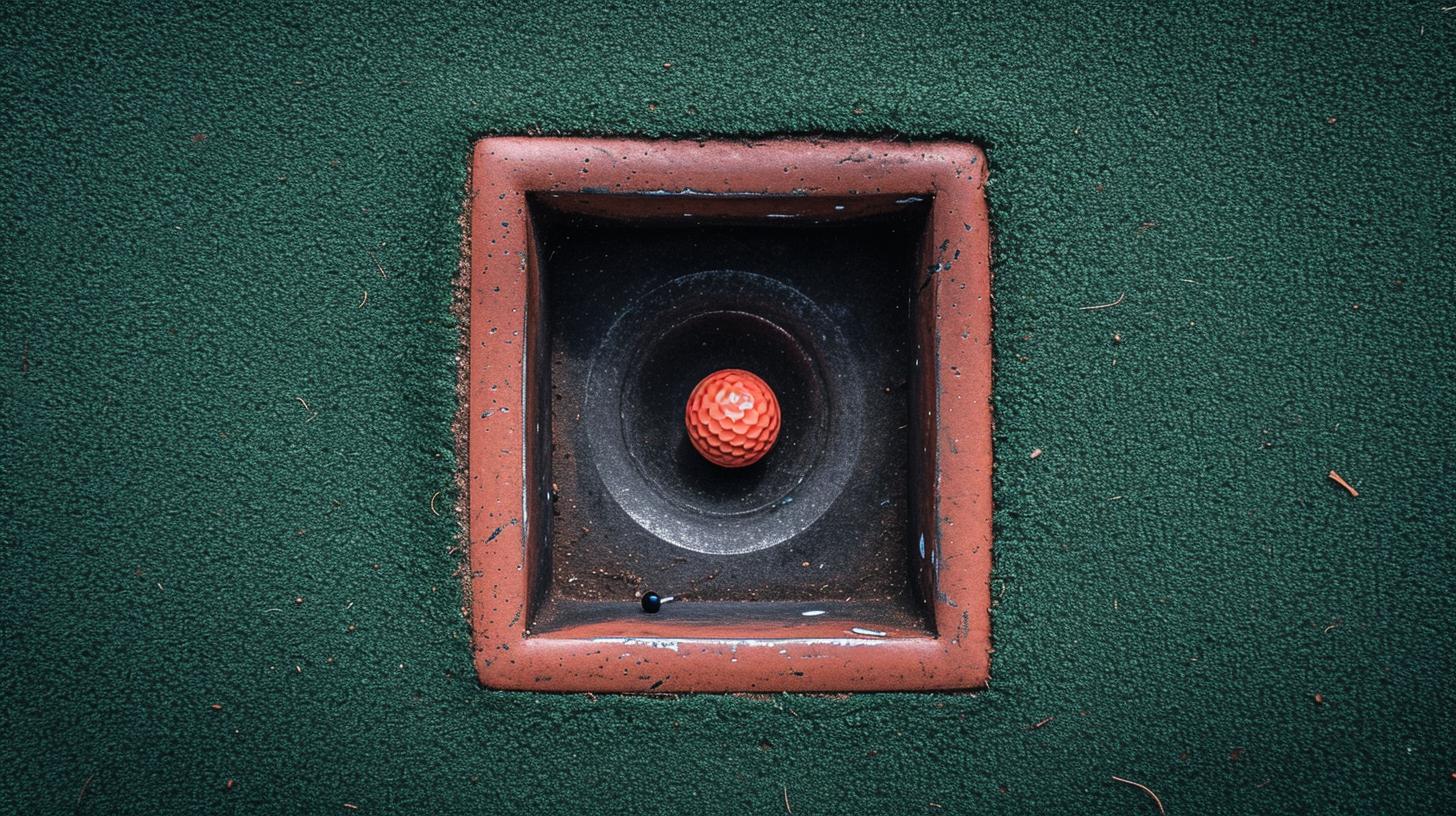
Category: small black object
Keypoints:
(651, 602)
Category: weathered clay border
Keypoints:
(953, 409)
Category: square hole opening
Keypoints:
(637, 299)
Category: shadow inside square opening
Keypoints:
(629, 308)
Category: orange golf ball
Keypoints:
(733, 418)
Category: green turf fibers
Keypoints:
(217, 457)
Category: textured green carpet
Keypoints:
(197, 199)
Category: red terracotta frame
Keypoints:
(653, 653)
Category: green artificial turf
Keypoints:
(197, 198)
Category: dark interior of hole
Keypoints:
(862, 274)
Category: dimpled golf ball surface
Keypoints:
(733, 418)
